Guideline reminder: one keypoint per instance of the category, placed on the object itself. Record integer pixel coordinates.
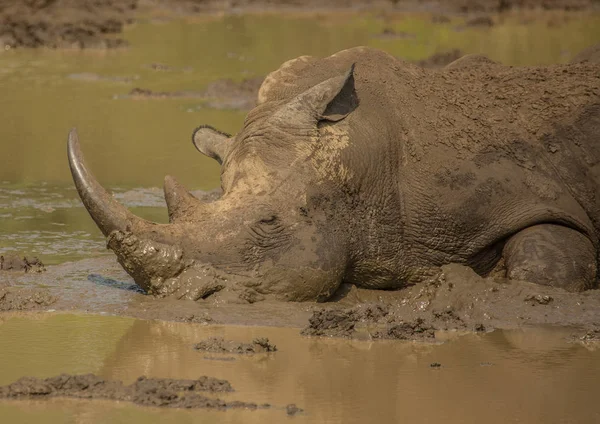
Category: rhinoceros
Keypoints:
(360, 168)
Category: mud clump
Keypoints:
(17, 299)
(64, 23)
(220, 345)
(344, 322)
(18, 263)
(158, 392)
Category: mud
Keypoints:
(157, 392)
(21, 263)
(24, 299)
(220, 94)
(220, 345)
(457, 299)
(450, 6)
(64, 23)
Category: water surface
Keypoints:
(529, 376)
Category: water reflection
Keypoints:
(529, 375)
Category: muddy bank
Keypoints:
(157, 392)
(457, 299)
(98, 23)
(451, 6)
(64, 23)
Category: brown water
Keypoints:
(134, 143)
(527, 376)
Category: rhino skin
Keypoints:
(364, 169)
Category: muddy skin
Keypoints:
(220, 345)
(156, 392)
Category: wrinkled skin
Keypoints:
(377, 174)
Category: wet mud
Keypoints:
(456, 300)
(220, 94)
(220, 345)
(157, 392)
(64, 23)
(21, 263)
(24, 299)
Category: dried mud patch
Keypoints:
(456, 299)
(157, 392)
(220, 345)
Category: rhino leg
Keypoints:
(551, 255)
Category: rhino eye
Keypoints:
(268, 221)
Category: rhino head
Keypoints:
(275, 231)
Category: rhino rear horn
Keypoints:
(180, 203)
(211, 142)
(332, 100)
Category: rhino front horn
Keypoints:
(108, 214)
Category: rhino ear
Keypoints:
(211, 142)
(332, 100)
(340, 98)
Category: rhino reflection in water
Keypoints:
(364, 169)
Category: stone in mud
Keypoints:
(158, 392)
(220, 345)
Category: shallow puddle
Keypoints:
(529, 376)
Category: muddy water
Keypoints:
(529, 376)
(133, 143)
